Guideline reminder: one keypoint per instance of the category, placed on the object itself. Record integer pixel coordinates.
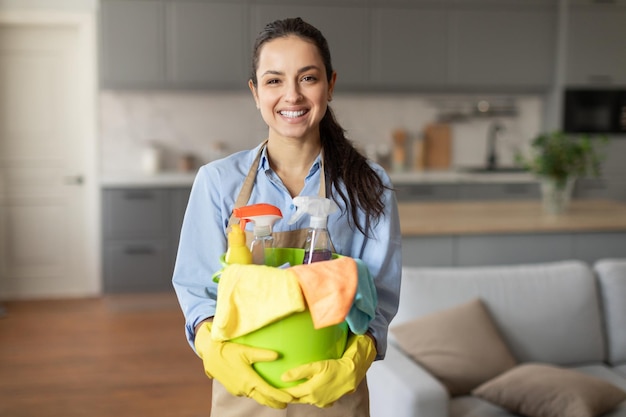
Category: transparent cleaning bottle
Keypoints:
(317, 246)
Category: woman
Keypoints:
(306, 153)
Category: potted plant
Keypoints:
(558, 159)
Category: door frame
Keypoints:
(84, 21)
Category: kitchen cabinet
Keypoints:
(132, 36)
(402, 45)
(208, 44)
(346, 28)
(502, 47)
(504, 191)
(453, 46)
(427, 192)
(429, 251)
(510, 249)
(590, 247)
(595, 45)
(474, 250)
(409, 47)
(467, 191)
(173, 44)
(141, 228)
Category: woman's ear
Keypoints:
(331, 85)
(254, 93)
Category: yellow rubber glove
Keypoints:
(329, 380)
(231, 364)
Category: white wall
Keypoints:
(194, 122)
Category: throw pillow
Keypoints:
(460, 346)
(538, 390)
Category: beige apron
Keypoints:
(226, 405)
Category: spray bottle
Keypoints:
(317, 246)
(263, 216)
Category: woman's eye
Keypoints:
(309, 78)
(272, 81)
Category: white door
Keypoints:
(48, 194)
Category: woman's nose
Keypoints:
(292, 93)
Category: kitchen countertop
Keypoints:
(185, 179)
(500, 217)
(139, 180)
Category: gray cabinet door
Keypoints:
(428, 251)
(502, 47)
(346, 29)
(409, 47)
(207, 44)
(507, 191)
(596, 45)
(512, 249)
(132, 39)
(135, 213)
(427, 192)
(136, 266)
(590, 247)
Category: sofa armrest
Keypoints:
(400, 387)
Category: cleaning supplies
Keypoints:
(317, 246)
(237, 252)
(263, 216)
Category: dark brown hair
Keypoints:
(342, 162)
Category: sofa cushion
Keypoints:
(541, 390)
(460, 346)
(612, 278)
(545, 312)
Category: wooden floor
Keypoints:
(115, 356)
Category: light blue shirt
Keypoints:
(203, 236)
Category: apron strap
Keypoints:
(248, 183)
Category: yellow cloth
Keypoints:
(252, 296)
(329, 288)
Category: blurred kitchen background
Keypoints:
(110, 106)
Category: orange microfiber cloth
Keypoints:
(329, 288)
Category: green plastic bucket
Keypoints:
(294, 337)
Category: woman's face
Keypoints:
(292, 91)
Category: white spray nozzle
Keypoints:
(263, 215)
(319, 208)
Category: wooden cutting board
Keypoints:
(437, 146)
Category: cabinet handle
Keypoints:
(516, 189)
(74, 180)
(600, 79)
(139, 250)
(138, 195)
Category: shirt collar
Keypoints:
(264, 163)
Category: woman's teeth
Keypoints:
(292, 114)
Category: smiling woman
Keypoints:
(306, 154)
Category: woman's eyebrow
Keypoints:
(300, 71)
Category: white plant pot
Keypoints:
(555, 197)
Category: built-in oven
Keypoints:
(594, 111)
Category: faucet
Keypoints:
(492, 157)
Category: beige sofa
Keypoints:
(561, 316)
